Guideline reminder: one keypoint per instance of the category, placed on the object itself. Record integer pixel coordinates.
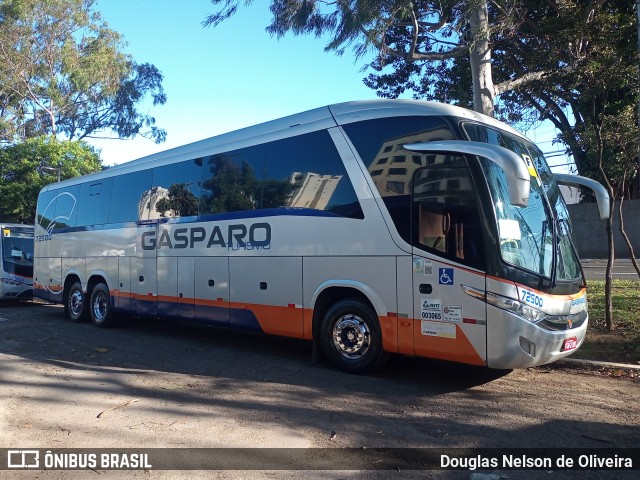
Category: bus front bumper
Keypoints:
(513, 342)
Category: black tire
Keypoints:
(100, 306)
(75, 304)
(351, 338)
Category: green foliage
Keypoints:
(27, 167)
(598, 88)
(63, 72)
(568, 61)
(626, 307)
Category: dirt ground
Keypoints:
(607, 346)
(151, 384)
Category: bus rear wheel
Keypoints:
(351, 338)
(75, 306)
(100, 306)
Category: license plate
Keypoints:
(569, 344)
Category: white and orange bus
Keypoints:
(369, 228)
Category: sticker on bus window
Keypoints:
(438, 329)
(530, 166)
(418, 265)
(428, 267)
(6, 233)
(452, 313)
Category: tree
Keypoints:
(406, 35)
(520, 56)
(593, 38)
(27, 167)
(611, 131)
(63, 72)
(550, 44)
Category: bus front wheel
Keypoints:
(100, 306)
(75, 306)
(351, 338)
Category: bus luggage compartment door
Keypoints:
(144, 274)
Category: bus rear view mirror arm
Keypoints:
(601, 194)
(514, 167)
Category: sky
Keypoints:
(234, 75)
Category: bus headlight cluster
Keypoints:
(523, 310)
(8, 281)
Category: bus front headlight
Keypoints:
(523, 310)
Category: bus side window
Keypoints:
(306, 172)
(127, 196)
(93, 208)
(67, 207)
(446, 214)
(46, 209)
(175, 191)
(230, 181)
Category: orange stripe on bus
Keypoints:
(275, 320)
(389, 328)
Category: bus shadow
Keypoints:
(187, 348)
(179, 371)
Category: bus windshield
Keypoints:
(17, 255)
(526, 233)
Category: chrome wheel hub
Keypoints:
(75, 302)
(351, 336)
(99, 306)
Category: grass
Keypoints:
(622, 344)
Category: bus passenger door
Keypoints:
(448, 259)
(144, 272)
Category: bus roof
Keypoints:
(304, 122)
(15, 225)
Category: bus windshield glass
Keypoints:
(526, 233)
(17, 255)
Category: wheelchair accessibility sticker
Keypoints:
(445, 276)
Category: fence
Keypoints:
(591, 237)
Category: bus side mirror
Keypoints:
(602, 196)
(513, 166)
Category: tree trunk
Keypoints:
(480, 58)
(608, 279)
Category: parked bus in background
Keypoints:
(369, 228)
(16, 272)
